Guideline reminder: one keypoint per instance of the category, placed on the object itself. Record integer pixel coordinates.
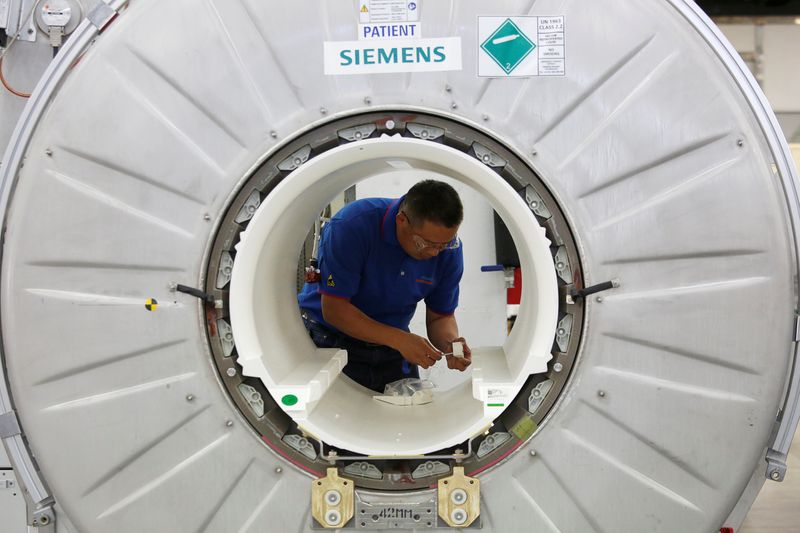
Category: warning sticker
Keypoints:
(381, 11)
(515, 47)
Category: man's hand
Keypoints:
(418, 350)
(460, 363)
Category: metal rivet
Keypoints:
(206, 217)
(448, 88)
(48, 152)
(323, 110)
(561, 332)
(534, 152)
(601, 393)
(485, 118)
(173, 286)
(231, 372)
(454, 106)
(533, 453)
(229, 423)
(189, 397)
(599, 299)
(740, 143)
(558, 367)
(390, 124)
(273, 134)
(367, 100)
(278, 470)
(775, 475)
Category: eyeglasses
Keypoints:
(422, 243)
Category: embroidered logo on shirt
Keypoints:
(331, 283)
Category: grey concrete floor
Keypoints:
(777, 508)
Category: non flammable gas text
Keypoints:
(385, 56)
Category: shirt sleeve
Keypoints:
(443, 299)
(343, 251)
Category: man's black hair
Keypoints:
(434, 201)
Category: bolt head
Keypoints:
(189, 397)
(231, 372)
(229, 423)
(558, 367)
(454, 106)
(601, 393)
(775, 475)
(533, 453)
(278, 470)
(206, 217)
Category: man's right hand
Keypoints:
(418, 350)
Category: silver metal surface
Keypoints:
(492, 442)
(363, 469)
(430, 469)
(382, 510)
(538, 394)
(667, 97)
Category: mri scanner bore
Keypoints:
(647, 384)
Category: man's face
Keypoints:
(423, 240)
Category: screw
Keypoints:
(189, 397)
(229, 423)
(278, 470)
(206, 217)
(273, 134)
(599, 299)
(323, 110)
(231, 372)
(740, 143)
(485, 118)
(390, 124)
(534, 153)
(775, 475)
(601, 393)
(30, 32)
(561, 332)
(558, 367)
(533, 453)
(48, 152)
(454, 106)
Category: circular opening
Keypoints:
(273, 346)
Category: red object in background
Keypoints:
(726, 530)
(515, 294)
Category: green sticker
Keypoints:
(508, 46)
(289, 399)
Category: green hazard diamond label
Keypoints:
(508, 46)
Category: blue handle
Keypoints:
(492, 268)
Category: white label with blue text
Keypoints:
(394, 55)
(390, 30)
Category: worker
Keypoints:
(378, 258)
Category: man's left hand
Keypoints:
(459, 363)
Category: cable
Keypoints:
(3, 54)
(8, 87)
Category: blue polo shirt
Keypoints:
(361, 260)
